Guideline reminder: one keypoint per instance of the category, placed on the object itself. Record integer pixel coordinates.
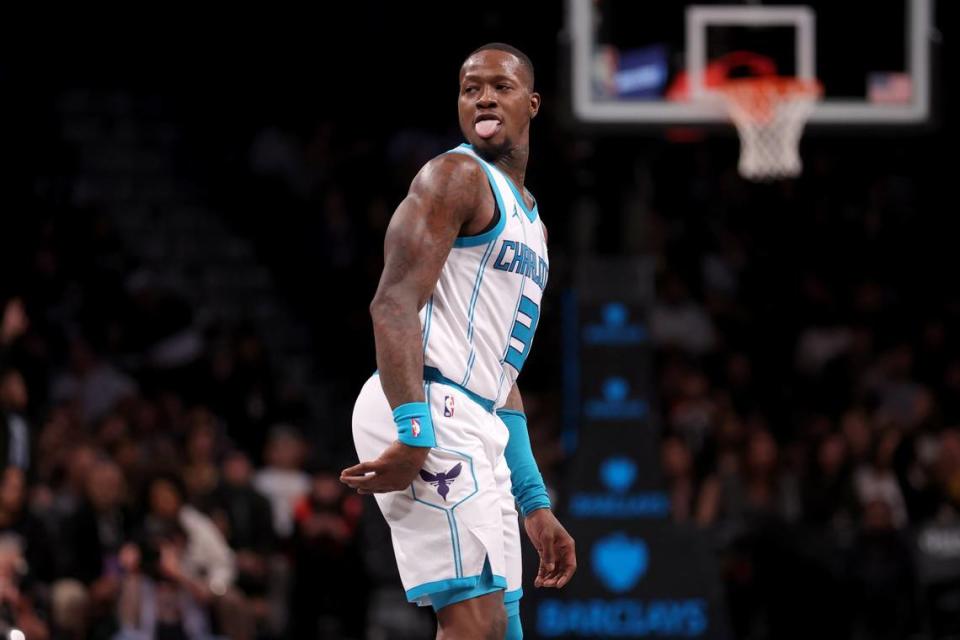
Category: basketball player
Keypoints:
(441, 424)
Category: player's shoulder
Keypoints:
(451, 175)
(451, 166)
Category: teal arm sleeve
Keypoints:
(414, 425)
(525, 478)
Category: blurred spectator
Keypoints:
(876, 482)
(93, 384)
(13, 321)
(947, 471)
(677, 320)
(94, 533)
(202, 562)
(239, 388)
(206, 555)
(201, 475)
(828, 495)
(90, 543)
(244, 517)
(883, 576)
(17, 607)
(693, 412)
(15, 433)
(69, 477)
(158, 598)
(677, 465)
(16, 521)
(325, 544)
(856, 429)
(281, 479)
(752, 494)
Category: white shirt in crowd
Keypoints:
(207, 553)
(283, 487)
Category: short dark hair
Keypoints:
(173, 480)
(502, 46)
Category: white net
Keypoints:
(770, 114)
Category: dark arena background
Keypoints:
(744, 395)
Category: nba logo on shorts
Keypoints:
(415, 427)
(447, 406)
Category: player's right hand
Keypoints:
(394, 470)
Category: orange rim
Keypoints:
(757, 98)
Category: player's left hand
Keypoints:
(394, 470)
(558, 556)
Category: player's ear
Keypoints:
(534, 104)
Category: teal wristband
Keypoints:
(414, 425)
(525, 479)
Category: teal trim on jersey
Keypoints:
(486, 583)
(458, 567)
(491, 235)
(471, 312)
(454, 538)
(429, 588)
(426, 324)
(476, 290)
(434, 375)
(470, 362)
(512, 596)
(487, 236)
(531, 213)
(439, 586)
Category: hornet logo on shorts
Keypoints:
(447, 406)
(442, 480)
(415, 427)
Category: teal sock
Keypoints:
(514, 630)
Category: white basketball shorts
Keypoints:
(459, 513)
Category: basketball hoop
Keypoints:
(769, 113)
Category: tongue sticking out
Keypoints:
(486, 128)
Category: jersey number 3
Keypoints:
(522, 333)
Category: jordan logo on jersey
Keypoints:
(518, 258)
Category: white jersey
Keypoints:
(479, 323)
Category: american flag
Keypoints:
(889, 88)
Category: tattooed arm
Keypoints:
(448, 197)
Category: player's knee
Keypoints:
(490, 626)
(497, 629)
(473, 620)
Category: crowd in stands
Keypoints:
(807, 386)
